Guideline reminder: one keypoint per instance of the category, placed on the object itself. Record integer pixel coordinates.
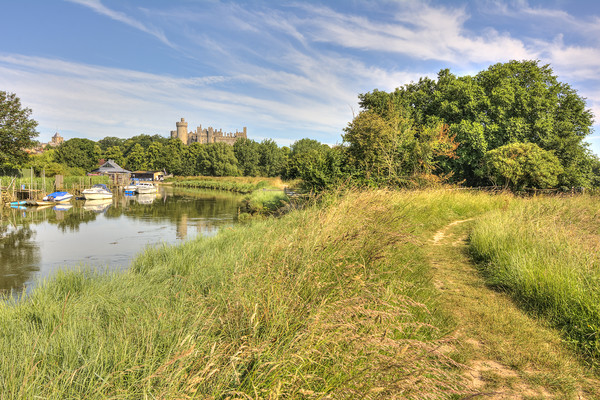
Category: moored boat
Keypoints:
(97, 192)
(58, 197)
(145, 187)
(130, 188)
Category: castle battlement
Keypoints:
(208, 135)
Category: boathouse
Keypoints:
(117, 174)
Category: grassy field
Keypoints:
(336, 300)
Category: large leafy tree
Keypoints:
(79, 153)
(248, 156)
(137, 160)
(114, 153)
(387, 147)
(17, 131)
(271, 158)
(295, 163)
(514, 102)
(110, 141)
(220, 160)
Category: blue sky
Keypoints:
(286, 70)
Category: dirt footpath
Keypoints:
(508, 354)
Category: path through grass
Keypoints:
(509, 355)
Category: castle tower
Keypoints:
(182, 132)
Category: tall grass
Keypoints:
(332, 300)
(245, 184)
(545, 253)
(48, 185)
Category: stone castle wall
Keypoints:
(209, 135)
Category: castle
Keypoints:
(209, 135)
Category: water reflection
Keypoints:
(36, 241)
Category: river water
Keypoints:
(36, 241)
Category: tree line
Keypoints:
(514, 124)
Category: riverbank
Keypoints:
(335, 300)
(244, 185)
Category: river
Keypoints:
(36, 241)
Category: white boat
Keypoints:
(130, 188)
(97, 192)
(145, 187)
(58, 197)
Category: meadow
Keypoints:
(334, 300)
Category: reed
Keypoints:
(331, 300)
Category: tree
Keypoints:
(79, 153)
(514, 102)
(173, 155)
(519, 165)
(17, 131)
(386, 147)
(137, 160)
(110, 141)
(114, 153)
(271, 158)
(155, 154)
(295, 160)
(320, 168)
(45, 163)
(221, 160)
(247, 154)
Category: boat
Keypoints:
(145, 187)
(58, 197)
(130, 188)
(97, 192)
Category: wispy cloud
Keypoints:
(97, 6)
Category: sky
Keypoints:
(286, 70)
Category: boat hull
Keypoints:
(96, 196)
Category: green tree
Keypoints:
(155, 154)
(519, 165)
(295, 158)
(79, 153)
(518, 101)
(271, 158)
(247, 153)
(320, 168)
(137, 160)
(173, 152)
(110, 141)
(114, 153)
(221, 160)
(17, 131)
(45, 163)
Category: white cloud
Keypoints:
(97, 6)
(421, 32)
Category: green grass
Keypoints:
(334, 300)
(545, 253)
(331, 300)
(233, 184)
